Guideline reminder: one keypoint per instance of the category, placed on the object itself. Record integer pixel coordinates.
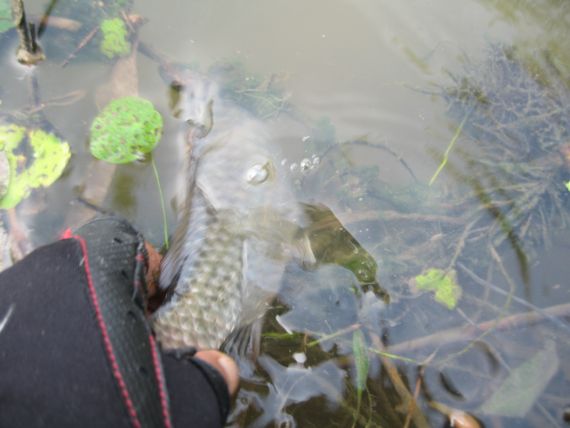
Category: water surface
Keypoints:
(354, 341)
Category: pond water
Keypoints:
(433, 293)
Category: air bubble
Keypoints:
(305, 165)
(300, 357)
(257, 174)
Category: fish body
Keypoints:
(239, 227)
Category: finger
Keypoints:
(153, 270)
(225, 365)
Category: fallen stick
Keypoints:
(472, 331)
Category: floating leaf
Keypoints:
(447, 292)
(114, 42)
(518, 393)
(50, 156)
(125, 130)
(6, 21)
(567, 184)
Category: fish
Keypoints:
(239, 227)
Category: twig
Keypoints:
(407, 398)
(81, 45)
(470, 332)
(461, 244)
(45, 17)
(338, 333)
(386, 215)
(63, 100)
(377, 145)
(522, 302)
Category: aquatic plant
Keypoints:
(50, 156)
(258, 94)
(114, 42)
(125, 130)
(516, 133)
(443, 284)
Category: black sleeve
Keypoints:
(75, 348)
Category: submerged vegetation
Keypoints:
(412, 312)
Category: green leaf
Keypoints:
(50, 156)
(567, 184)
(10, 136)
(520, 390)
(114, 42)
(125, 130)
(361, 361)
(6, 20)
(447, 291)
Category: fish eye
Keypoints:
(258, 173)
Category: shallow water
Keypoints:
(369, 74)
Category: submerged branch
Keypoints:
(408, 400)
(470, 332)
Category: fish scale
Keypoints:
(214, 279)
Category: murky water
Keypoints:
(380, 91)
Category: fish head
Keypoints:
(240, 170)
(193, 101)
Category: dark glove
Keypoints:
(76, 350)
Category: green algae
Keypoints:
(125, 130)
(114, 42)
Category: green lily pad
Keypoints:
(125, 130)
(114, 42)
(50, 156)
(447, 291)
(6, 21)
